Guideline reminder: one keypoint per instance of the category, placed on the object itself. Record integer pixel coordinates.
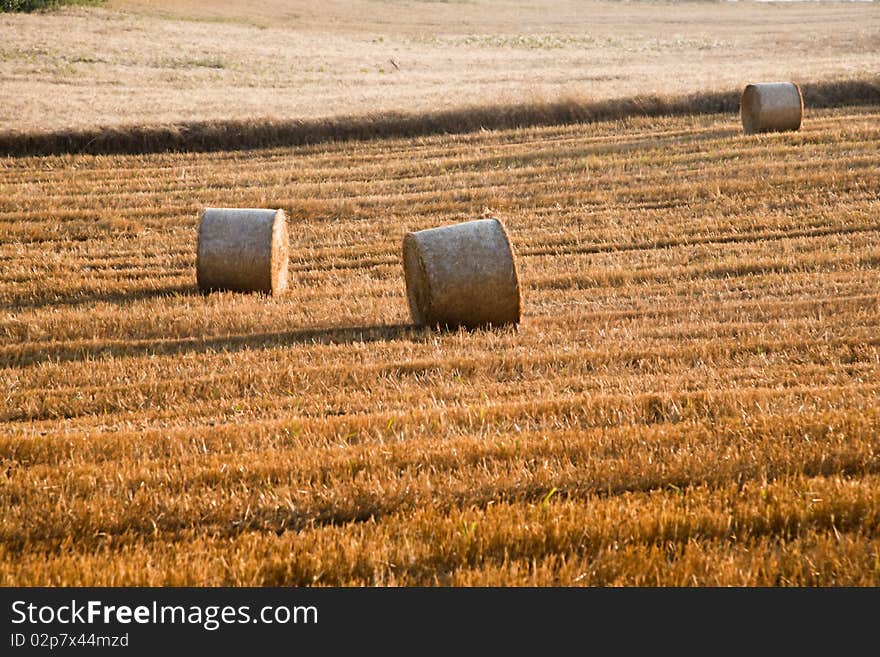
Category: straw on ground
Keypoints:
(696, 374)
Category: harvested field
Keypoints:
(691, 399)
(150, 62)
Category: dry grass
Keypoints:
(227, 135)
(151, 62)
(692, 397)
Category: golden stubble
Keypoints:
(691, 397)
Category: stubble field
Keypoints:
(691, 399)
(161, 61)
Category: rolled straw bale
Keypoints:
(771, 107)
(242, 250)
(462, 275)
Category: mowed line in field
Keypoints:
(484, 548)
(700, 346)
(733, 332)
(672, 192)
(282, 172)
(461, 170)
(162, 330)
(577, 242)
(703, 535)
(662, 266)
(347, 495)
(102, 384)
(353, 393)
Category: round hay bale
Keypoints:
(462, 275)
(242, 250)
(771, 107)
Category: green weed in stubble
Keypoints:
(545, 501)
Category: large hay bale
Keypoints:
(462, 275)
(242, 250)
(771, 107)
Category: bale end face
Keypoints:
(462, 275)
(418, 294)
(242, 250)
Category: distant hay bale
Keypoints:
(242, 250)
(771, 107)
(462, 275)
